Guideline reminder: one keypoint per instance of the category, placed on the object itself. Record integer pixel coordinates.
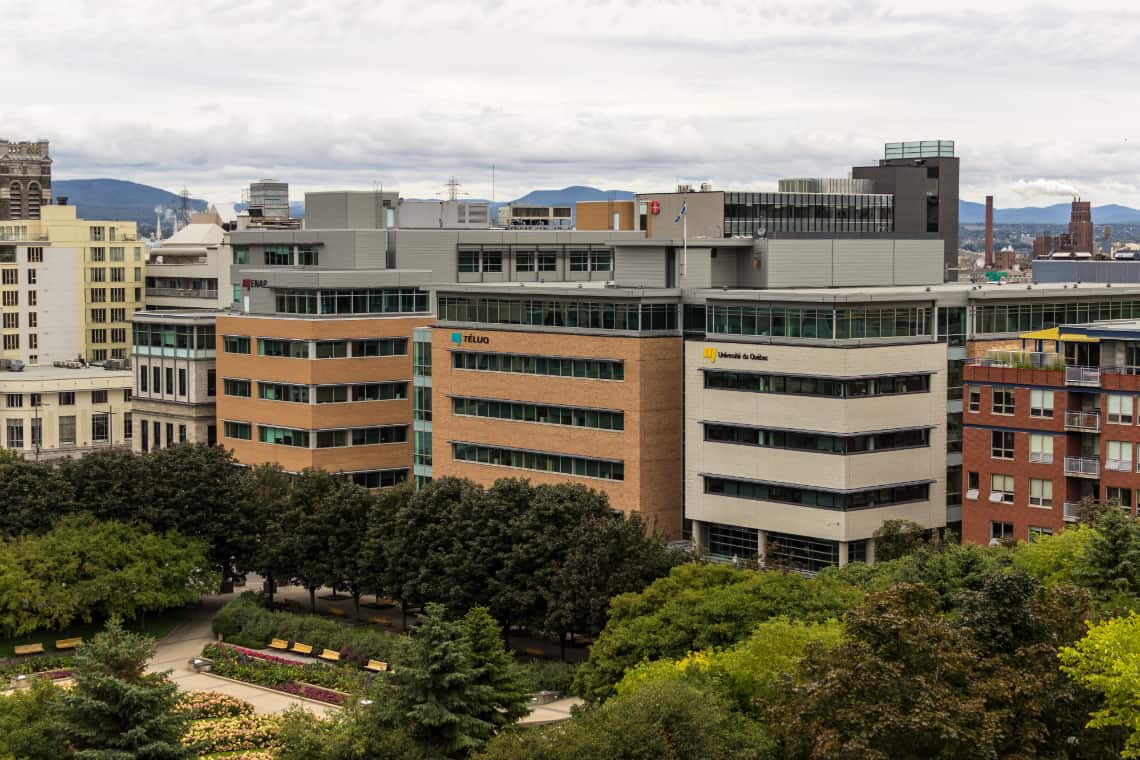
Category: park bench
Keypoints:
(379, 620)
(534, 652)
(330, 654)
(62, 644)
(336, 612)
(280, 644)
(376, 666)
(25, 649)
(300, 648)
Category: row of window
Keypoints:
(100, 430)
(99, 335)
(99, 295)
(800, 553)
(117, 274)
(779, 321)
(492, 261)
(323, 349)
(808, 497)
(1003, 531)
(156, 375)
(596, 369)
(716, 432)
(1003, 400)
(99, 316)
(380, 478)
(12, 320)
(281, 255)
(586, 315)
(361, 436)
(1002, 490)
(363, 301)
(540, 461)
(322, 394)
(1026, 317)
(169, 336)
(12, 276)
(758, 382)
(549, 414)
(63, 398)
(118, 254)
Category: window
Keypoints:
(380, 478)
(1001, 488)
(117, 254)
(170, 434)
(378, 347)
(975, 399)
(98, 295)
(118, 335)
(98, 274)
(98, 233)
(37, 432)
(307, 256)
(600, 262)
(235, 344)
(156, 428)
(234, 387)
(492, 261)
(298, 394)
(295, 349)
(15, 434)
(11, 298)
(1040, 493)
(547, 262)
(1040, 403)
(332, 349)
(67, 398)
(9, 276)
(241, 254)
(1001, 531)
(593, 369)
(241, 430)
(599, 419)
(579, 261)
(1119, 409)
(100, 427)
(182, 434)
(170, 381)
(35, 255)
(33, 319)
(1121, 496)
(973, 485)
(211, 383)
(118, 295)
(98, 316)
(127, 395)
(278, 255)
(283, 436)
(15, 400)
(1040, 448)
(11, 342)
(144, 429)
(118, 315)
(810, 497)
(468, 261)
(142, 378)
(98, 254)
(12, 320)
(1036, 532)
(524, 262)
(128, 427)
(156, 375)
(98, 397)
(757, 382)
(67, 430)
(31, 277)
(99, 335)
(1001, 444)
(1119, 456)
(1003, 400)
(605, 469)
(37, 399)
(118, 274)
(727, 541)
(817, 442)
(182, 381)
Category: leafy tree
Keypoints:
(265, 495)
(1053, 559)
(112, 484)
(117, 711)
(345, 514)
(35, 495)
(1110, 564)
(496, 669)
(305, 530)
(437, 693)
(898, 538)
(29, 726)
(353, 733)
(901, 685)
(1107, 660)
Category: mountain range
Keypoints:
(1058, 213)
(118, 200)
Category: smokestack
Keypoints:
(989, 232)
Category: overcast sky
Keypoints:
(632, 95)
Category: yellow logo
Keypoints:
(710, 354)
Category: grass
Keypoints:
(156, 625)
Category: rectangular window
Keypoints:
(182, 434)
(9, 276)
(117, 254)
(99, 335)
(170, 381)
(67, 398)
(98, 254)
(11, 342)
(975, 399)
(529, 364)
(240, 430)
(1001, 444)
(170, 434)
(298, 394)
(100, 427)
(241, 254)
(32, 301)
(15, 400)
(1120, 496)
(1001, 488)
(98, 316)
(10, 298)
(283, 436)
(128, 428)
(1119, 456)
(33, 319)
(1040, 492)
(524, 262)
(156, 376)
(118, 295)
(380, 478)
(542, 461)
(118, 335)
(98, 274)
(579, 261)
(1001, 531)
(547, 262)
(31, 277)
(182, 381)
(37, 432)
(98, 397)
(973, 485)
(1040, 448)
(468, 262)
(235, 344)
(211, 383)
(234, 387)
(600, 262)
(1003, 400)
(1036, 532)
(15, 434)
(492, 261)
(98, 295)
(307, 256)
(1119, 409)
(278, 255)
(67, 430)
(118, 274)
(156, 429)
(12, 320)
(35, 255)
(294, 349)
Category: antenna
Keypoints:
(492, 183)
(453, 191)
(184, 208)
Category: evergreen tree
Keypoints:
(495, 668)
(1111, 563)
(117, 711)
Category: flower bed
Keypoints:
(312, 681)
(248, 732)
(206, 705)
(316, 693)
(255, 654)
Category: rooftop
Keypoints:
(40, 372)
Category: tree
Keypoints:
(29, 725)
(117, 711)
(265, 495)
(898, 538)
(1054, 559)
(1110, 564)
(1107, 660)
(437, 694)
(496, 669)
(305, 530)
(345, 512)
(111, 484)
(35, 495)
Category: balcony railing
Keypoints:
(1082, 467)
(1086, 421)
(1072, 511)
(1086, 376)
(182, 292)
(1020, 360)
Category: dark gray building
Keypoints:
(923, 178)
(25, 179)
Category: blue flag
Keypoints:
(682, 212)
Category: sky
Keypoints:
(630, 95)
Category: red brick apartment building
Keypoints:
(1048, 425)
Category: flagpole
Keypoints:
(685, 243)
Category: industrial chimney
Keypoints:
(989, 232)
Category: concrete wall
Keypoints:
(705, 212)
(598, 215)
(1056, 270)
(848, 262)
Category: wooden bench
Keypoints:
(63, 644)
(534, 652)
(300, 648)
(281, 644)
(379, 620)
(330, 654)
(26, 649)
(336, 612)
(376, 666)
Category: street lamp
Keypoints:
(37, 430)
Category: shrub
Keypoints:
(280, 674)
(548, 675)
(232, 734)
(204, 705)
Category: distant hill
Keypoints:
(571, 195)
(118, 200)
(975, 213)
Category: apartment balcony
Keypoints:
(1082, 467)
(1021, 367)
(1072, 511)
(181, 293)
(1085, 377)
(1083, 422)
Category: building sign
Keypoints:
(713, 354)
(459, 339)
(247, 284)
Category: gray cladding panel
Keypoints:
(641, 266)
(371, 249)
(723, 268)
(698, 268)
(918, 262)
(325, 211)
(799, 263)
(863, 262)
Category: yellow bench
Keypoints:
(23, 649)
(336, 612)
(281, 644)
(62, 644)
(376, 666)
(300, 648)
(379, 620)
(533, 652)
(330, 654)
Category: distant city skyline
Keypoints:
(623, 95)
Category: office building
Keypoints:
(532, 216)
(923, 179)
(25, 179)
(269, 199)
(190, 270)
(69, 287)
(175, 378)
(50, 412)
(1081, 227)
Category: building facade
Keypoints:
(25, 179)
(190, 270)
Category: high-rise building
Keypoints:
(1081, 227)
(191, 269)
(269, 199)
(25, 179)
(923, 178)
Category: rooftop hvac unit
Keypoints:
(706, 187)
(684, 188)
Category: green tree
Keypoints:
(265, 494)
(112, 484)
(346, 513)
(35, 495)
(1107, 661)
(305, 549)
(495, 668)
(898, 538)
(1053, 559)
(117, 711)
(1110, 564)
(436, 692)
(29, 723)
(353, 733)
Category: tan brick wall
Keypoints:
(598, 215)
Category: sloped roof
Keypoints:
(196, 234)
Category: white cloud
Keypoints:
(1038, 188)
(629, 95)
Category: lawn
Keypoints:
(155, 624)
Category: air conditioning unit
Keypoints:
(684, 188)
(706, 187)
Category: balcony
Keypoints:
(1028, 367)
(1085, 422)
(1072, 511)
(1082, 467)
(181, 293)
(1087, 377)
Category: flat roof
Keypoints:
(50, 372)
(556, 288)
(179, 315)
